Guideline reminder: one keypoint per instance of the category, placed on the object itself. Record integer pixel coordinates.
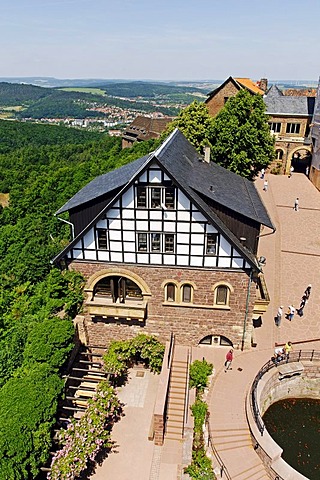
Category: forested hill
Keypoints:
(42, 167)
(14, 135)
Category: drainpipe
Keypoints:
(246, 313)
(69, 223)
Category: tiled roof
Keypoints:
(249, 85)
(144, 128)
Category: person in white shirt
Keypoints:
(279, 316)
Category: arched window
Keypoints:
(170, 292)
(186, 293)
(279, 154)
(221, 294)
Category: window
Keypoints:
(155, 242)
(275, 127)
(279, 154)
(169, 195)
(170, 292)
(225, 99)
(169, 243)
(155, 197)
(187, 293)
(141, 197)
(222, 295)
(293, 128)
(211, 248)
(142, 242)
(102, 239)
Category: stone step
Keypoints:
(175, 419)
(173, 429)
(176, 394)
(232, 444)
(220, 434)
(175, 409)
(177, 376)
(255, 472)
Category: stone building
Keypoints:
(314, 173)
(168, 243)
(218, 97)
(289, 119)
(290, 114)
(144, 128)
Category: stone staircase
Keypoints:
(235, 448)
(177, 393)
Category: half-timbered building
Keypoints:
(168, 243)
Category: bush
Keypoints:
(28, 404)
(200, 467)
(122, 354)
(199, 372)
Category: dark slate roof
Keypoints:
(183, 162)
(288, 105)
(195, 177)
(104, 184)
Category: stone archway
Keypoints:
(301, 159)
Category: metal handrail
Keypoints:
(170, 351)
(289, 358)
(223, 468)
(186, 398)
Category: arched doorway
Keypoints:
(301, 160)
(216, 340)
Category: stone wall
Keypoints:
(271, 389)
(217, 102)
(190, 322)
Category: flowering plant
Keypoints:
(84, 438)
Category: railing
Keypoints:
(170, 351)
(223, 469)
(291, 357)
(186, 398)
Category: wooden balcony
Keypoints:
(105, 307)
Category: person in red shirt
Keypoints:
(229, 358)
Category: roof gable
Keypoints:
(239, 83)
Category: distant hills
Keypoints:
(26, 100)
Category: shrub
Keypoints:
(84, 438)
(200, 467)
(199, 372)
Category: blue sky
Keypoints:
(160, 39)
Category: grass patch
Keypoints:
(94, 91)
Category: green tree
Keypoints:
(195, 123)
(240, 138)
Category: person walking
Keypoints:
(262, 173)
(229, 358)
(296, 204)
(279, 316)
(307, 292)
(291, 311)
(291, 171)
(265, 185)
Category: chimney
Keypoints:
(207, 154)
(263, 84)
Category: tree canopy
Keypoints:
(195, 123)
(240, 138)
